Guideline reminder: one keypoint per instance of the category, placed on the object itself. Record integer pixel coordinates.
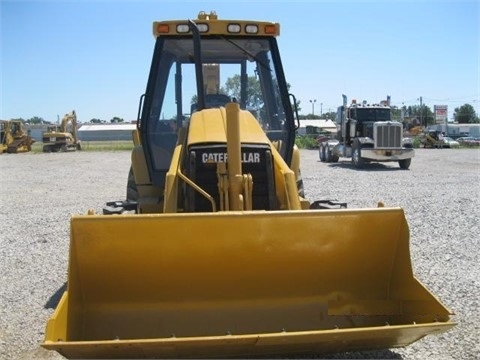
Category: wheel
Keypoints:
(132, 192)
(321, 151)
(404, 164)
(300, 188)
(328, 154)
(357, 156)
(334, 158)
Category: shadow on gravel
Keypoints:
(55, 298)
(366, 167)
(377, 354)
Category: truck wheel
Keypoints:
(328, 154)
(334, 158)
(357, 157)
(321, 152)
(404, 164)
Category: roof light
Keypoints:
(202, 28)
(202, 15)
(183, 28)
(270, 29)
(251, 29)
(233, 28)
(163, 28)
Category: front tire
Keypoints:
(321, 153)
(328, 154)
(132, 192)
(357, 156)
(404, 164)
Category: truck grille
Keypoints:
(388, 135)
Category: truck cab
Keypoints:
(367, 133)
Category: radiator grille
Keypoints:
(204, 174)
(388, 135)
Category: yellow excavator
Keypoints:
(14, 138)
(217, 253)
(63, 137)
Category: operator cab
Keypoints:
(206, 64)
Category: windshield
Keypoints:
(370, 114)
(245, 70)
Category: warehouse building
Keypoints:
(316, 126)
(106, 132)
(457, 130)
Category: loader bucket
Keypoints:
(239, 284)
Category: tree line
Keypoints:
(464, 114)
(415, 114)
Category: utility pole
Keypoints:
(421, 112)
(321, 112)
(313, 106)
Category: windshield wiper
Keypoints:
(245, 51)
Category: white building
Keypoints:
(105, 132)
(457, 130)
(319, 125)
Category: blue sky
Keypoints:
(94, 56)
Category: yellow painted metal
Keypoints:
(209, 125)
(14, 138)
(217, 27)
(240, 283)
(235, 178)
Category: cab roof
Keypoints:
(209, 24)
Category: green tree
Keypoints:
(396, 113)
(35, 120)
(96, 121)
(466, 114)
(254, 94)
(19, 119)
(329, 115)
(232, 88)
(116, 119)
(424, 114)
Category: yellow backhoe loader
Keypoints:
(63, 137)
(14, 138)
(221, 255)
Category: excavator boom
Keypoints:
(62, 138)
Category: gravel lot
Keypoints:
(440, 195)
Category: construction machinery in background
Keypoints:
(366, 133)
(63, 137)
(14, 138)
(221, 255)
(432, 139)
